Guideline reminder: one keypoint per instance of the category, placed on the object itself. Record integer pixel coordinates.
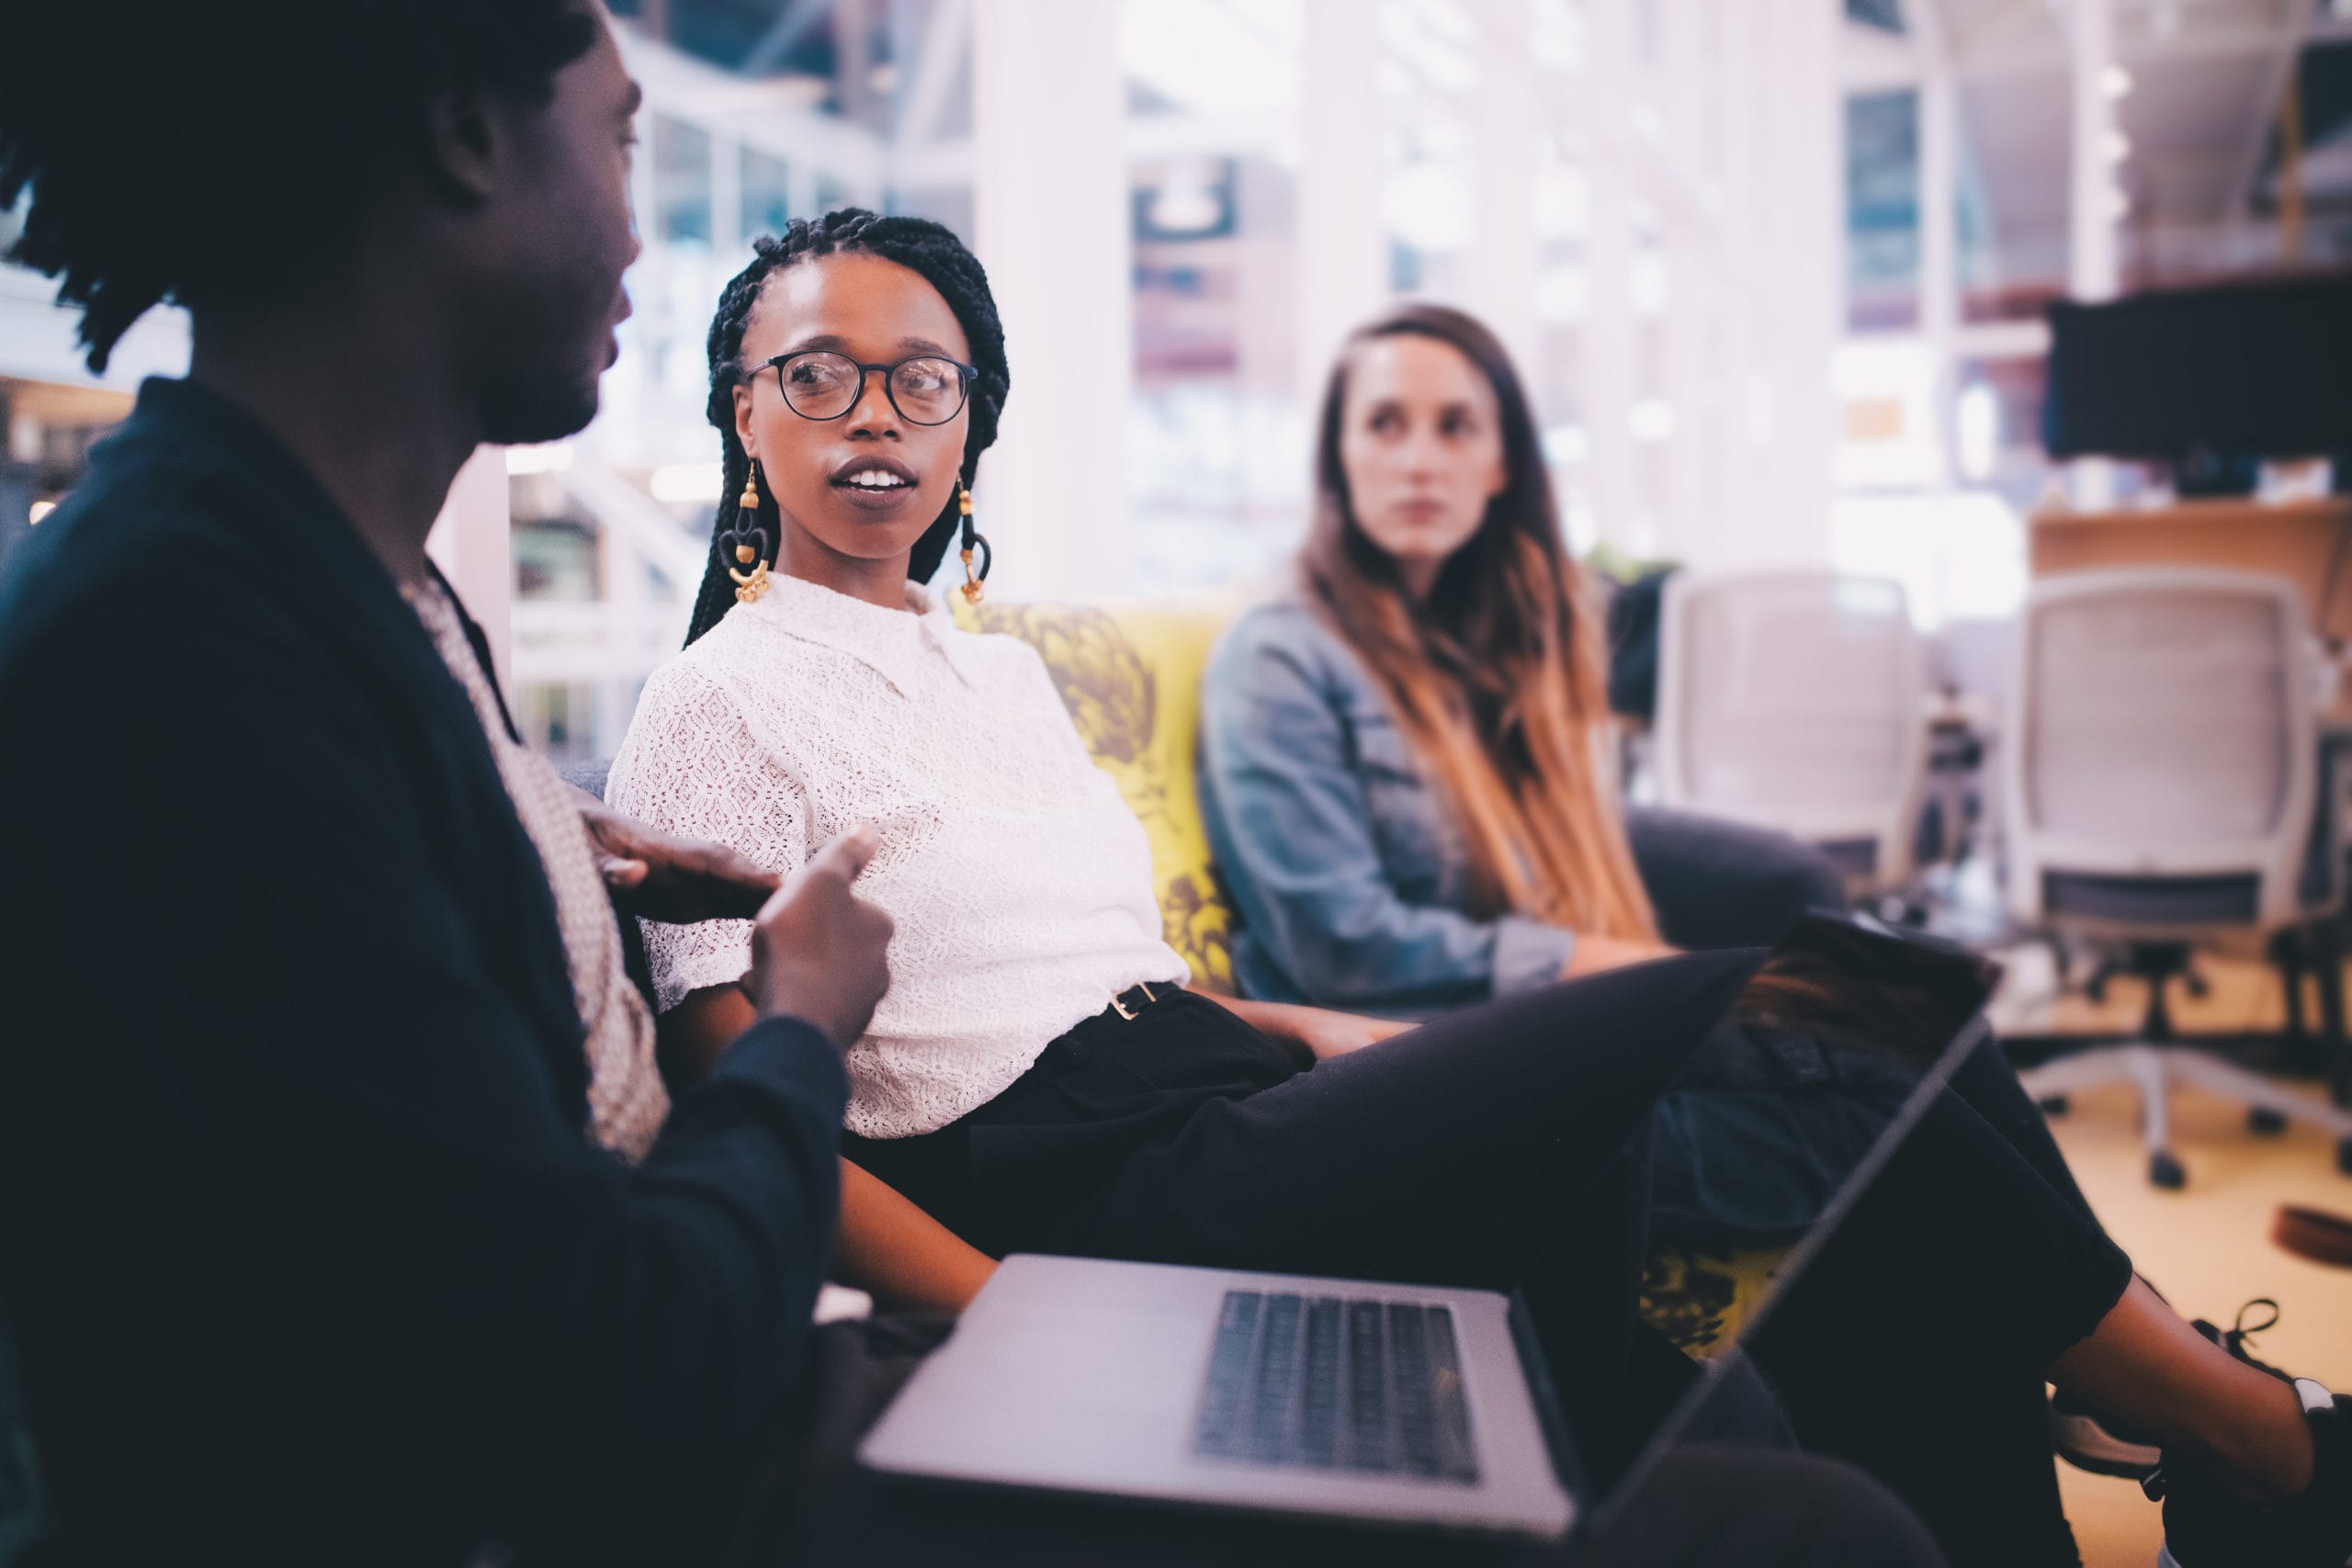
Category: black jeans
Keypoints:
(1486, 1149)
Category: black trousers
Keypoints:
(1479, 1150)
(1490, 1148)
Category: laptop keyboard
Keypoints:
(1327, 1383)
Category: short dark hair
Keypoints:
(919, 244)
(180, 151)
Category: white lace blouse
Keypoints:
(1020, 883)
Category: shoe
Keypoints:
(2315, 1233)
(2103, 1446)
(2235, 1339)
(2205, 1526)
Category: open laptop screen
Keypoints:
(1888, 1017)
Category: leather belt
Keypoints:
(1129, 1004)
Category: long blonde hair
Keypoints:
(1496, 680)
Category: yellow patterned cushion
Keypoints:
(1131, 679)
(1701, 1300)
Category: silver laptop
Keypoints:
(1375, 1402)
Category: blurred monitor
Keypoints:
(2205, 377)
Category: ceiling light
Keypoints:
(2119, 147)
(2115, 81)
(40, 510)
(1187, 202)
(2119, 206)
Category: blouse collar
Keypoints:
(892, 642)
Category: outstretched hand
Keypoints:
(819, 952)
(1325, 1034)
(662, 876)
(1597, 954)
(1319, 1034)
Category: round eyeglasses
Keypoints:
(820, 384)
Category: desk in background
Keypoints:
(2308, 542)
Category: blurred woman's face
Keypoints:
(1420, 443)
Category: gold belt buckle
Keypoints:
(1117, 1006)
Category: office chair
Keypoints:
(1797, 701)
(2163, 793)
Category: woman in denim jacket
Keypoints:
(1370, 906)
(1407, 778)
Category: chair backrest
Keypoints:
(2161, 757)
(1130, 677)
(1797, 700)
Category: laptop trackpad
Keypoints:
(1073, 1357)
(1090, 1393)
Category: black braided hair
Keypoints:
(917, 243)
(192, 153)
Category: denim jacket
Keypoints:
(1348, 869)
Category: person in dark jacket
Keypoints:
(307, 1241)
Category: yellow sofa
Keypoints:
(1131, 679)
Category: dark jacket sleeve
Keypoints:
(320, 1145)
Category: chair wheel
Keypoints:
(2263, 1120)
(2054, 1105)
(2166, 1172)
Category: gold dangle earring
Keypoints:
(747, 541)
(973, 577)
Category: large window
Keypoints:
(1612, 186)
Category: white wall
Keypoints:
(37, 339)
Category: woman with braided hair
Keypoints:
(1038, 1078)
(822, 545)
(922, 246)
